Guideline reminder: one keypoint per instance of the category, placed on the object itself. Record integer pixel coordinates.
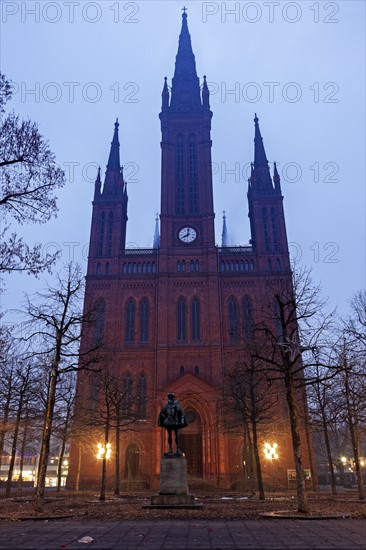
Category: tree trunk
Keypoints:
(4, 424)
(353, 428)
(117, 485)
(14, 447)
(104, 462)
(22, 453)
(60, 461)
(302, 503)
(248, 451)
(255, 435)
(314, 477)
(77, 478)
(258, 462)
(329, 452)
(46, 436)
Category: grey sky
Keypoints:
(299, 65)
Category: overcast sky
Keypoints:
(78, 65)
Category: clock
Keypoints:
(187, 234)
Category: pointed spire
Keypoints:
(276, 178)
(113, 161)
(156, 242)
(98, 185)
(185, 94)
(165, 96)
(205, 95)
(260, 158)
(113, 182)
(260, 177)
(224, 234)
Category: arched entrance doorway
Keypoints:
(191, 443)
(132, 462)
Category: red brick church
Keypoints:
(168, 315)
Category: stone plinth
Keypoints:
(173, 476)
(173, 492)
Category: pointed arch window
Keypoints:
(265, 230)
(278, 264)
(233, 320)
(179, 176)
(109, 234)
(98, 268)
(193, 191)
(127, 395)
(107, 268)
(141, 397)
(247, 317)
(269, 264)
(195, 320)
(101, 229)
(99, 321)
(144, 321)
(276, 245)
(130, 322)
(181, 320)
(192, 265)
(183, 265)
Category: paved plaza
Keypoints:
(179, 535)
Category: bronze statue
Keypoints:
(173, 419)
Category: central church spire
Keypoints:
(185, 84)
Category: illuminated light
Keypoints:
(343, 459)
(65, 462)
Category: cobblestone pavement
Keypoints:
(178, 535)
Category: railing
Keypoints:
(228, 250)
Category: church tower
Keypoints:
(167, 318)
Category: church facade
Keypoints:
(169, 317)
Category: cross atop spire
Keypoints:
(114, 161)
(185, 94)
(260, 174)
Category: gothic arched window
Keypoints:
(195, 320)
(274, 230)
(130, 322)
(109, 234)
(265, 230)
(181, 320)
(233, 320)
(193, 191)
(141, 397)
(247, 317)
(179, 176)
(126, 395)
(101, 228)
(99, 321)
(144, 321)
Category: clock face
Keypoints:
(187, 234)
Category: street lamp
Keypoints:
(270, 451)
(271, 454)
(104, 451)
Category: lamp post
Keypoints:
(103, 454)
(271, 454)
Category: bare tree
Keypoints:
(110, 411)
(64, 413)
(293, 321)
(29, 179)
(254, 399)
(55, 319)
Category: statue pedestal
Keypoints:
(173, 492)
